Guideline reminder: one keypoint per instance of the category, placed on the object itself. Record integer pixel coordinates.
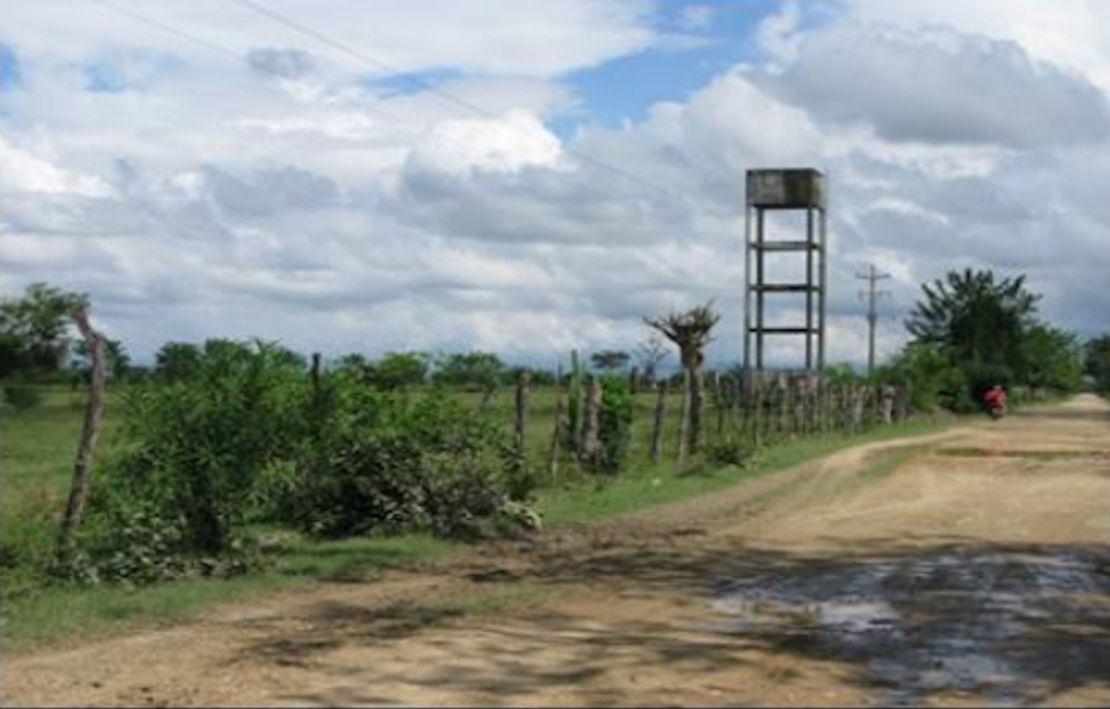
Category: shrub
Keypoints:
(388, 463)
(136, 542)
(614, 423)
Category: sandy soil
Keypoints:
(975, 572)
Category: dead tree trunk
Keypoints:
(684, 421)
(657, 427)
(520, 423)
(697, 409)
(90, 431)
(590, 425)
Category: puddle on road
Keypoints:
(1008, 627)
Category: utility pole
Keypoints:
(872, 276)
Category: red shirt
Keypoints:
(995, 397)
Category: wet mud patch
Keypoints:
(1008, 627)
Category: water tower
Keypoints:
(785, 189)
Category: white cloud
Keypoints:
(941, 87)
(509, 144)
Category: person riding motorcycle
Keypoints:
(995, 399)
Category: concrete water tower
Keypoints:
(789, 189)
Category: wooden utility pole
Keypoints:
(872, 276)
(90, 431)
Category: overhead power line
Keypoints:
(429, 87)
(237, 56)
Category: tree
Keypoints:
(931, 377)
(690, 332)
(397, 370)
(1053, 359)
(35, 330)
(472, 370)
(980, 321)
(177, 361)
(650, 354)
(1096, 362)
(609, 359)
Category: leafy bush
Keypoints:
(389, 464)
(614, 423)
(197, 448)
(136, 542)
(22, 395)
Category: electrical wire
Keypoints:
(237, 56)
(431, 88)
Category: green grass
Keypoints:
(37, 449)
(653, 486)
(49, 614)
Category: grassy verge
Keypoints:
(647, 487)
(37, 459)
(51, 614)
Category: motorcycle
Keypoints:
(996, 411)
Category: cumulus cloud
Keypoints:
(940, 86)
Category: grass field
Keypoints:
(36, 459)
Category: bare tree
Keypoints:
(690, 332)
(650, 354)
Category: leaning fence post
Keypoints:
(90, 431)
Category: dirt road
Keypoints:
(969, 567)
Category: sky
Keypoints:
(528, 177)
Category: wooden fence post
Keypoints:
(717, 403)
(520, 423)
(590, 425)
(556, 431)
(90, 431)
(684, 421)
(657, 425)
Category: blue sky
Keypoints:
(624, 88)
